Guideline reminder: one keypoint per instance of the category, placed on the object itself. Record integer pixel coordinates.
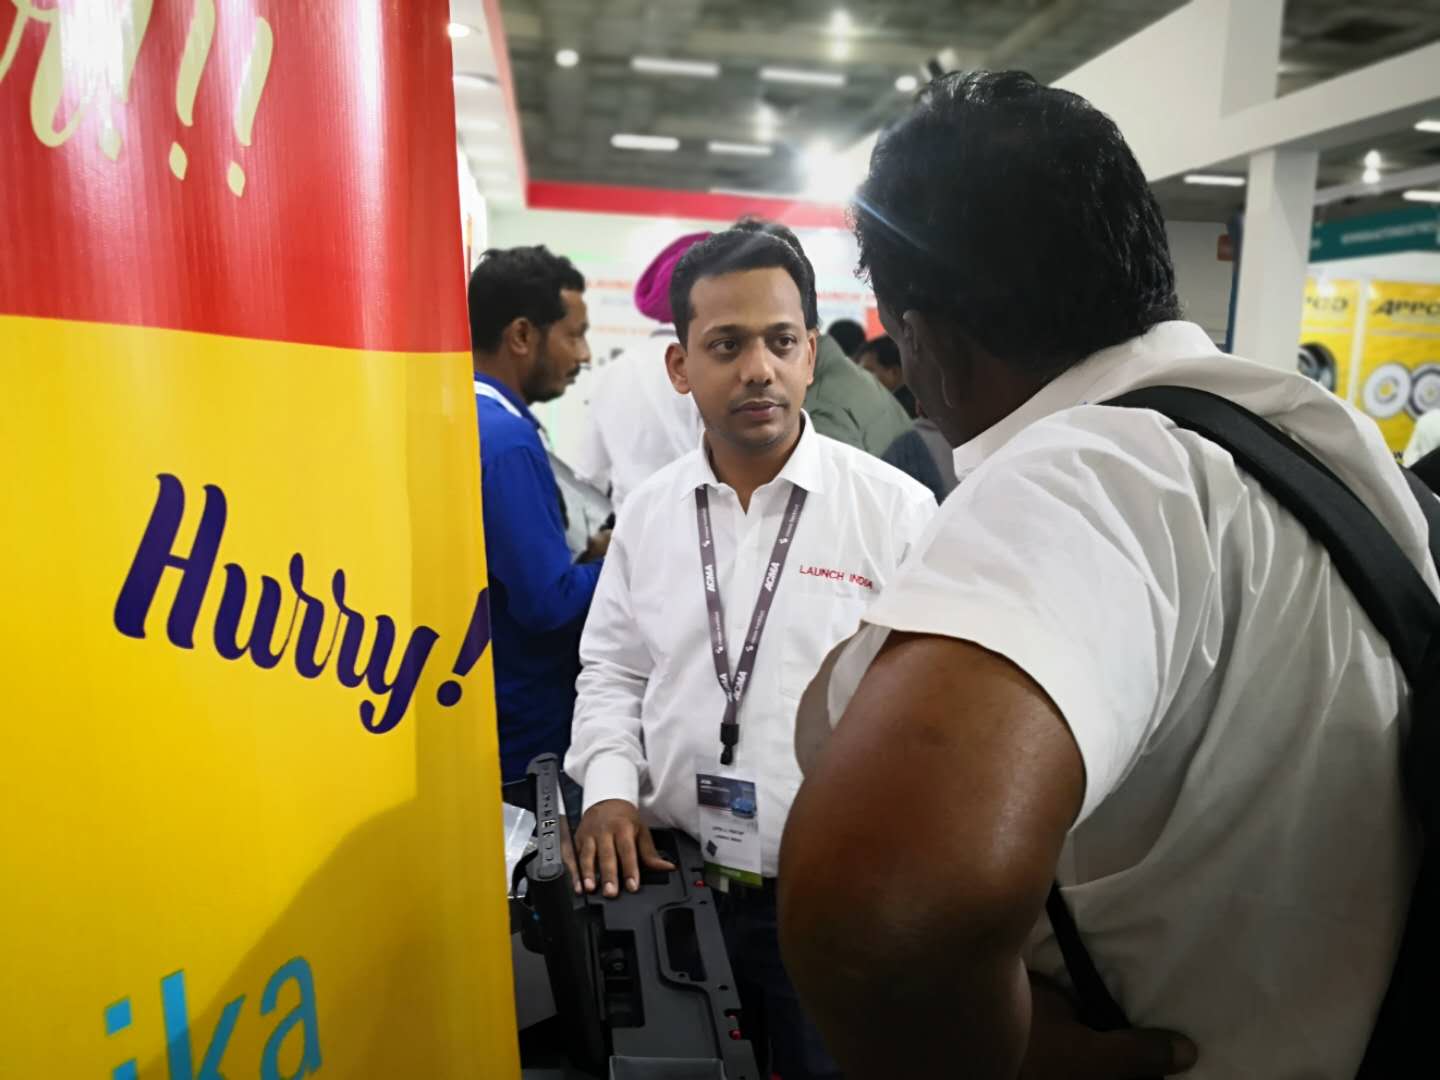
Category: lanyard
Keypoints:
(734, 690)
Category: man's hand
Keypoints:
(1061, 1048)
(598, 546)
(613, 831)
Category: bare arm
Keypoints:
(917, 859)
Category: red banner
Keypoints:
(192, 154)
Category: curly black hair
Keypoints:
(1017, 212)
(519, 282)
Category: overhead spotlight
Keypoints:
(907, 84)
(459, 30)
(1431, 127)
(1372, 159)
(1371, 175)
(567, 58)
(1422, 196)
(840, 22)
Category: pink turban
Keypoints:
(652, 291)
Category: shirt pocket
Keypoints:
(821, 611)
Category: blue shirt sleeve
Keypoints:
(525, 545)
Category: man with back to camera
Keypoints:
(527, 337)
(737, 566)
(1115, 661)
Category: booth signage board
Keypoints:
(250, 815)
(1410, 229)
(1399, 373)
(1327, 330)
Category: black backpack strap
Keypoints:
(1371, 563)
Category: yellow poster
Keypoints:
(1399, 370)
(1327, 332)
(250, 819)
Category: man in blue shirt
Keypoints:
(527, 337)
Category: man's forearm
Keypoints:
(916, 1002)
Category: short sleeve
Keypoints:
(1068, 552)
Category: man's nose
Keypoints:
(757, 365)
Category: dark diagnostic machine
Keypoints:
(641, 983)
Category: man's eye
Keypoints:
(787, 341)
(723, 345)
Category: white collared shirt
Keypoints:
(637, 423)
(1240, 868)
(649, 701)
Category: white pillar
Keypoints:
(1274, 255)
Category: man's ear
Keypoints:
(812, 337)
(675, 367)
(927, 341)
(520, 336)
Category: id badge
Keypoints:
(729, 825)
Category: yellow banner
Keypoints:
(1399, 376)
(251, 816)
(1327, 332)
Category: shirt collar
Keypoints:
(804, 469)
(509, 395)
(1103, 375)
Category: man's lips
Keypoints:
(756, 408)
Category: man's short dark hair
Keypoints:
(746, 245)
(513, 283)
(884, 349)
(848, 334)
(1018, 213)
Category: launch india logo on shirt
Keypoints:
(251, 771)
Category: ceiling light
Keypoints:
(907, 84)
(840, 22)
(1372, 159)
(459, 30)
(1214, 180)
(1430, 126)
(803, 78)
(644, 142)
(656, 65)
(741, 149)
(1422, 196)
(567, 58)
(1371, 175)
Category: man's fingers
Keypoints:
(609, 878)
(629, 866)
(648, 855)
(587, 859)
(1136, 1055)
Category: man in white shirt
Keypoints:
(729, 576)
(637, 424)
(1113, 661)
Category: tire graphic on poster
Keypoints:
(1424, 390)
(1317, 362)
(1386, 391)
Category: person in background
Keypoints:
(1425, 438)
(764, 511)
(848, 334)
(637, 423)
(881, 357)
(925, 454)
(527, 337)
(1114, 660)
(846, 403)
